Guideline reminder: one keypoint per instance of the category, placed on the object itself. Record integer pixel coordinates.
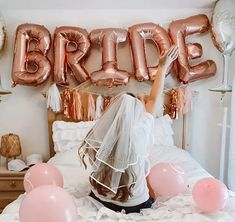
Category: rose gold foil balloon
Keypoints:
(66, 103)
(71, 45)
(194, 50)
(178, 31)
(76, 105)
(108, 39)
(31, 66)
(138, 34)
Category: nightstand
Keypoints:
(11, 186)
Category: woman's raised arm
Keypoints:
(157, 88)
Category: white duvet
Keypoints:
(177, 209)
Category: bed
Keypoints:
(64, 155)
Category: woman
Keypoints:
(117, 147)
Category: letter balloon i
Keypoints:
(30, 65)
(109, 75)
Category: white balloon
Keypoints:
(223, 26)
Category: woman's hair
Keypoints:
(131, 94)
(105, 175)
(126, 182)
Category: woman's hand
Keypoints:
(168, 57)
(153, 102)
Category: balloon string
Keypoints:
(176, 169)
(28, 181)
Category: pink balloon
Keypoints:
(42, 174)
(167, 179)
(48, 204)
(210, 195)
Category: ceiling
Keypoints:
(105, 4)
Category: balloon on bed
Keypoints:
(210, 195)
(48, 204)
(167, 180)
(42, 174)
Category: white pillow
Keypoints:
(163, 132)
(68, 135)
(75, 176)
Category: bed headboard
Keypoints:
(52, 116)
(180, 125)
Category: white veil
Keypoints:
(114, 142)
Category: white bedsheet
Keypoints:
(178, 209)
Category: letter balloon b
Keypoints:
(31, 66)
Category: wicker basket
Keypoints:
(10, 146)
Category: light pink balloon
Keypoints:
(42, 174)
(48, 204)
(167, 180)
(210, 195)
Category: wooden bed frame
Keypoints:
(51, 118)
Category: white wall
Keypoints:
(105, 4)
(24, 112)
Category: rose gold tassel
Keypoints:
(76, 106)
(180, 100)
(106, 102)
(91, 108)
(99, 107)
(173, 104)
(73, 106)
(187, 100)
(79, 107)
(66, 103)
